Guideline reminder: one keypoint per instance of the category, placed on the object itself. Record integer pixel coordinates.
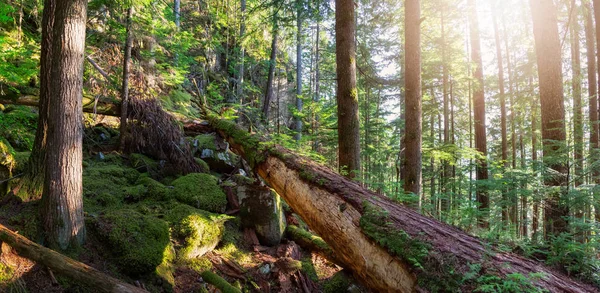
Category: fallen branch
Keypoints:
(312, 243)
(64, 265)
(220, 283)
(103, 107)
(386, 245)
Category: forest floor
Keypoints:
(140, 225)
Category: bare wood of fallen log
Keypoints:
(354, 221)
(64, 265)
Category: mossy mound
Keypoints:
(197, 231)
(143, 163)
(109, 184)
(139, 243)
(153, 188)
(21, 160)
(17, 125)
(203, 165)
(201, 191)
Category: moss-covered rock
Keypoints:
(201, 191)
(261, 208)
(197, 231)
(340, 282)
(21, 160)
(154, 189)
(204, 168)
(204, 141)
(7, 153)
(108, 184)
(138, 243)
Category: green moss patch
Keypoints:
(196, 231)
(7, 154)
(337, 283)
(143, 163)
(201, 191)
(205, 141)
(137, 242)
(17, 125)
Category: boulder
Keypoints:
(196, 231)
(261, 208)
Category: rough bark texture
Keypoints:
(62, 203)
(125, 86)
(412, 75)
(479, 115)
(547, 44)
(347, 93)
(65, 266)
(341, 211)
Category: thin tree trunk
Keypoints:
(317, 97)
(479, 117)
(347, 93)
(593, 88)
(272, 65)
(577, 111)
(125, 87)
(240, 81)
(547, 45)
(413, 124)
(505, 198)
(62, 200)
(299, 103)
(445, 207)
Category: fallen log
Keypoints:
(90, 105)
(387, 246)
(64, 265)
(219, 282)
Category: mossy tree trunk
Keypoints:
(366, 229)
(347, 93)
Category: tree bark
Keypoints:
(125, 87)
(341, 211)
(547, 44)
(347, 93)
(413, 112)
(479, 116)
(240, 81)
(62, 200)
(65, 266)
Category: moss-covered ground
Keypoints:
(143, 224)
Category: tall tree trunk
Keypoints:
(547, 44)
(240, 80)
(412, 76)
(505, 199)
(317, 97)
(62, 202)
(125, 86)
(299, 104)
(272, 65)
(594, 59)
(347, 93)
(479, 117)
(445, 207)
(577, 111)
(176, 12)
